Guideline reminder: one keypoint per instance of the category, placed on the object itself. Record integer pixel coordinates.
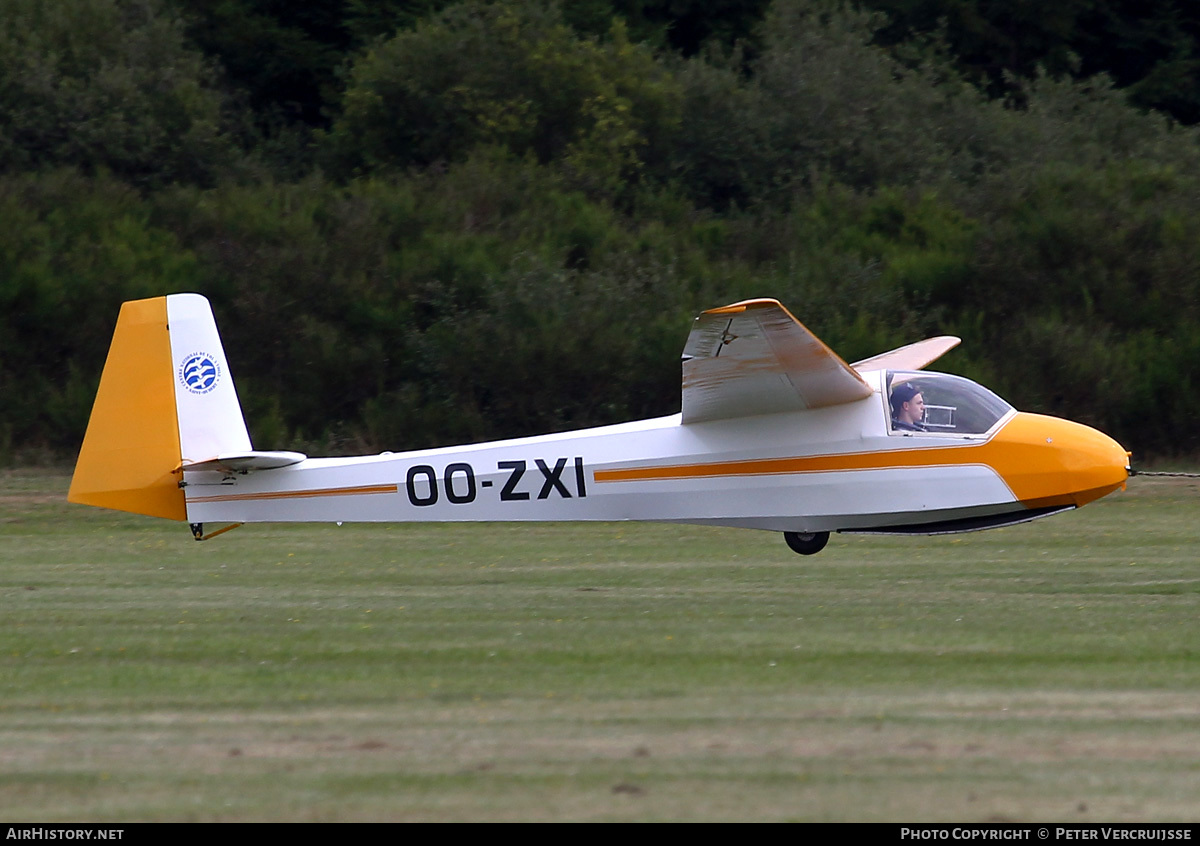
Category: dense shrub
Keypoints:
(511, 75)
(71, 250)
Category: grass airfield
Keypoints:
(607, 672)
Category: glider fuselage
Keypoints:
(828, 469)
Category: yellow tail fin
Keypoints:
(131, 455)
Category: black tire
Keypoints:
(806, 543)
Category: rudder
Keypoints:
(130, 452)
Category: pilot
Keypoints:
(908, 408)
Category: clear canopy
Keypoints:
(952, 405)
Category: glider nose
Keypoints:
(1059, 462)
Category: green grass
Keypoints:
(598, 672)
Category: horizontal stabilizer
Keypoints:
(243, 462)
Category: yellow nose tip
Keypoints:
(1050, 461)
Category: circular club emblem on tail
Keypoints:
(199, 373)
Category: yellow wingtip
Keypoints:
(738, 308)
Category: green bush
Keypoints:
(511, 75)
(72, 250)
(108, 85)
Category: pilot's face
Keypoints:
(916, 409)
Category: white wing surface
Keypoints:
(753, 358)
(910, 357)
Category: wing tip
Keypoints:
(744, 305)
(914, 356)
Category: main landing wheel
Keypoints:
(806, 543)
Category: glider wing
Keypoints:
(910, 357)
(754, 357)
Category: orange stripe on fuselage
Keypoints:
(244, 497)
(886, 459)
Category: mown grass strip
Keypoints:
(598, 672)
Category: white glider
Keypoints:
(776, 432)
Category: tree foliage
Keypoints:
(426, 223)
(509, 75)
(107, 85)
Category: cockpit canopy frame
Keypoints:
(954, 405)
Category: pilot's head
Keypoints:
(907, 403)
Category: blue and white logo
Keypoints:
(199, 373)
